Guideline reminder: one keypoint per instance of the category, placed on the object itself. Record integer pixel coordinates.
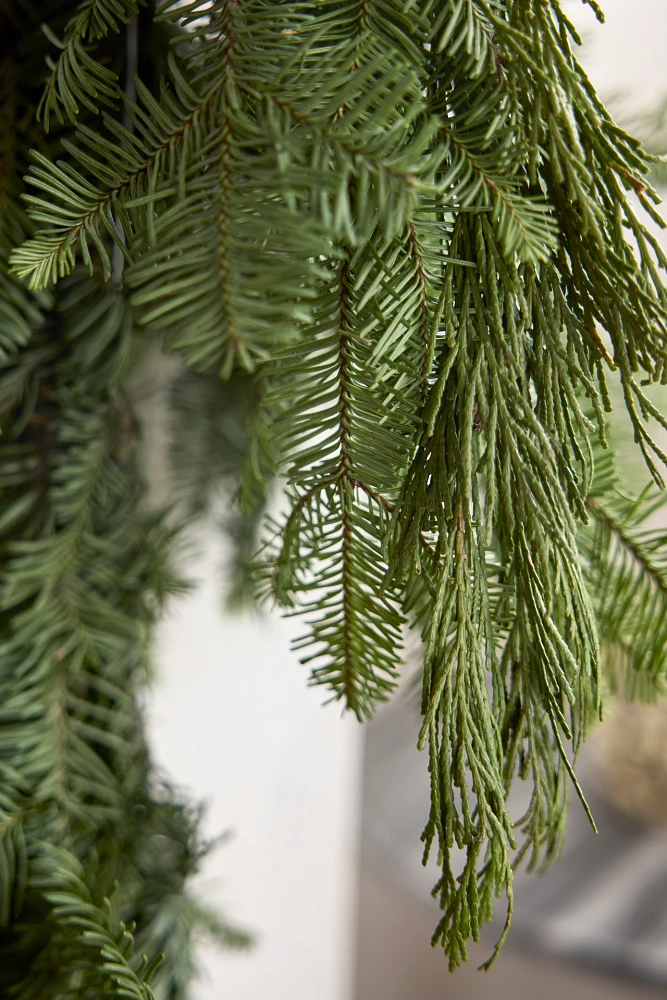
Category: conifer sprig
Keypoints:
(95, 951)
(78, 81)
(343, 426)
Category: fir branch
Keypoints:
(127, 168)
(216, 217)
(96, 950)
(332, 537)
(77, 80)
(373, 363)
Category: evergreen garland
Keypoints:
(92, 841)
(395, 243)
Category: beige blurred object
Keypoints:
(630, 753)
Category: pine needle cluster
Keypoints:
(400, 249)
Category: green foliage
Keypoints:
(405, 235)
(77, 80)
(85, 569)
(85, 573)
(95, 954)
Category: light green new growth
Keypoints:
(405, 235)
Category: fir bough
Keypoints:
(405, 236)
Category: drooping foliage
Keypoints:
(397, 246)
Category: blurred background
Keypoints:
(322, 861)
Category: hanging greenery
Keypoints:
(396, 244)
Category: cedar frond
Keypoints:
(479, 429)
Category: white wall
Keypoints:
(233, 720)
